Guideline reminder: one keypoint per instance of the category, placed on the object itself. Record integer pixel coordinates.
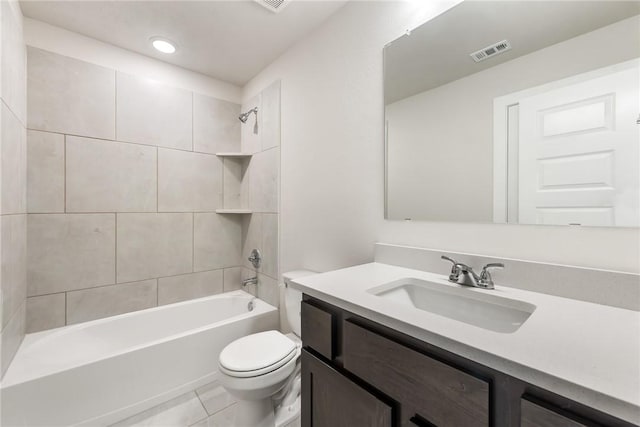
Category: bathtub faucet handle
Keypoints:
(255, 258)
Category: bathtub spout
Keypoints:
(250, 281)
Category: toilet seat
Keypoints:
(257, 354)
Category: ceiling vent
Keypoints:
(489, 51)
(274, 6)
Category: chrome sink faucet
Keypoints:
(462, 274)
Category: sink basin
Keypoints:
(481, 308)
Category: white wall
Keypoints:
(449, 129)
(333, 160)
(58, 40)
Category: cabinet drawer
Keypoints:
(329, 399)
(318, 329)
(532, 415)
(425, 388)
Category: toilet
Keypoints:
(260, 368)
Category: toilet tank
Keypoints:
(293, 299)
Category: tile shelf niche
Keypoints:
(235, 194)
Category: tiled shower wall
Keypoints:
(123, 185)
(13, 169)
(263, 188)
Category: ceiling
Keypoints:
(230, 40)
(437, 52)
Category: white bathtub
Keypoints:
(99, 372)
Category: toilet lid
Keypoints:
(257, 354)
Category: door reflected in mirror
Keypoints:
(519, 112)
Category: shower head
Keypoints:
(245, 116)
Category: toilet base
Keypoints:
(286, 415)
(254, 413)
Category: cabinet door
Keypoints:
(330, 399)
(429, 392)
(318, 329)
(533, 415)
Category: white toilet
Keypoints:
(257, 367)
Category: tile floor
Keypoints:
(208, 406)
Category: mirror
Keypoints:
(521, 112)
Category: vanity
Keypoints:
(375, 355)
(495, 112)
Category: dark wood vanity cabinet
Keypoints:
(533, 415)
(336, 401)
(428, 390)
(357, 373)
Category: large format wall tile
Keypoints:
(152, 113)
(188, 182)
(250, 141)
(270, 245)
(271, 116)
(268, 290)
(70, 96)
(45, 172)
(232, 278)
(104, 301)
(46, 312)
(249, 273)
(263, 176)
(13, 164)
(189, 286)
(14, 59)
(251, 236)
(105, 176)
(236, 183)
(154, 245)
(217, 241)
(14, 264)
(216, 128)
(71, 251)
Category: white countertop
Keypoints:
(586, 352)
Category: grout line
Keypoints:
(129, 282)
(64, 162)
(193, 144)
(193, 242)
(119, 212)
(24, 125)
(115, 105)
(224, 165)
(46, 295)
(115, 250)
(97, 138)
(157, 180)
(207, 415)
(65, 308)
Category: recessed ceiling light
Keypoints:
(163, 45)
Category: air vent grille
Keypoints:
(274, 6)
(489, 51)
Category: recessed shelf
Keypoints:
(247, 155)
(234, 211)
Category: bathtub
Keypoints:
(99, 372)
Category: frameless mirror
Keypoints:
(516, 111)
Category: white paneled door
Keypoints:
(579, 152)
